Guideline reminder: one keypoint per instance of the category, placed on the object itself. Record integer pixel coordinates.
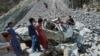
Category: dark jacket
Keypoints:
(71, 21)
(31, 30)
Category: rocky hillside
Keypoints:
(6, 5)
(16, 13)
(49, 9)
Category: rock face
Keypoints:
(16, 13)
(6, 5)
(51, 9)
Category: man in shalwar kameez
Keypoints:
(14, 42)
(42, 36)
(33, 35)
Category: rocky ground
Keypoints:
(90, 19)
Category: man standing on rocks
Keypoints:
(33, 35)
(14, 42)
(42, 36)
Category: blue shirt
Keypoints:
(13, 34)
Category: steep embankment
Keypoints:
(48, 9)
(6, 5)
(16, 13)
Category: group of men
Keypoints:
(36, 33)
(69, 21)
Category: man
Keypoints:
(42, 35)
(33, 35)
(14, 42)
(70, 21)
(61, 24)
